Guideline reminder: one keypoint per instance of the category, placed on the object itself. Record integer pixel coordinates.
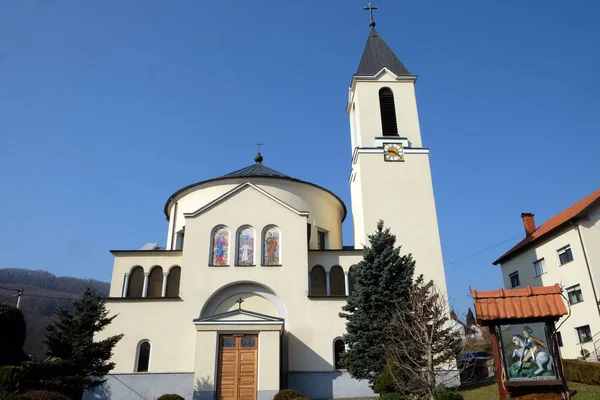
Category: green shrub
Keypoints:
(443, 393)
(171, 396)
(39, 395)
(287, 394)
(384, 383)
(303, 398)
(394, 396)
(582, 371)
(10, 379)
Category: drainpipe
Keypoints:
(587, 264)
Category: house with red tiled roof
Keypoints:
(564, 250)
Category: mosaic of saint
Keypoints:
(220, 247)
(271, 246)
(245, 246)
(526, 352)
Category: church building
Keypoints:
(238, 305)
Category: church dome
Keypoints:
(325, 208)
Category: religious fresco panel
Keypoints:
(220, 247)
(271, 246)
(245, 246)
(525, 351)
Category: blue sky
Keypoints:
(107, 108)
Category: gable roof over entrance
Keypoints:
(239, 317)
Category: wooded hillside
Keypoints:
(42, 293)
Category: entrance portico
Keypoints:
(238, 356)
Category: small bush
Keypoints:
(10, 379)
(582, 371)
(443, 393)
(394, 396)
(287, 394)
(170, 396)
(39, 395)
(303, 398)
(384, 383)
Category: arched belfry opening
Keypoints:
(387, 108)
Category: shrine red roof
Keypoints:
(529, 302)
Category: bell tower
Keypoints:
(391, 177)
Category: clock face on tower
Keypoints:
(393, 152)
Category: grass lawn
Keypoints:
(490, 392)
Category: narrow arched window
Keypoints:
(338, 349)
(136, 282)
(220, 246)
(173, 281)
(143, 361)
(271, 246)
(155, 281)
(245, 246)
(351, 279)
(318, 286)
(387, 107)
(337, 286)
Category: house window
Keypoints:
(565, 255)
(514, 279)
(143, 357)
(271, 246)
(245, 246)
(540, 267)
(575, 295)
(387, 108)
(584, 333)
(179, 240)
(321, 238)
(338, 349)
(220, 246)
(559, 338)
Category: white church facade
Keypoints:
(238, 305)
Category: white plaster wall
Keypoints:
(570, 274)
(325, 210)
(401, 193)
(268, 360)
(365, 95)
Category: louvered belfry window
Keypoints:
(388, 112)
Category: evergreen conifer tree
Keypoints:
(470, 318)
(12, 335)
(70, 339)
(380, 279)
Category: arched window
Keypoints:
(173, 281)
(245, 246)
(143, 361)
(271, 246)
(155, 281)
(220, 246)
(387, 108)
(136, 282)
(318, 286)
(337, 286)
(338, 349)
(351, 279)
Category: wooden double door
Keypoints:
(238, 367)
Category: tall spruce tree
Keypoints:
(380, 279)
(470, 318)
(70, 339)
(12, 335)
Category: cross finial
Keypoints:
(371, 8)
(239, 301)
(258, 145)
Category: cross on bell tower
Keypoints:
(371, 8)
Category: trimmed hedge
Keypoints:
(287, 394)
(443, 393)
(582, 372)
(170, 396)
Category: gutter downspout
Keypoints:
(587, 264)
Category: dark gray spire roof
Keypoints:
(257, 169)
(377, 55)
